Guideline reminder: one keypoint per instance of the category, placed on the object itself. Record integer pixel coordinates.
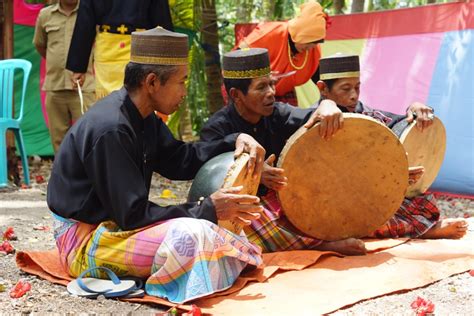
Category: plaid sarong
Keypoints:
(414, 218)
(181, 259)
(273, 232)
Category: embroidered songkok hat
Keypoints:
(246, 63)
(339, 66)
(159, 47)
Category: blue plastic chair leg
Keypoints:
(24, 157)
(3, 159)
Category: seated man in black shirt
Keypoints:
(100, 182)
(252, 110)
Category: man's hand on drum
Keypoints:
(415, 174)
(273, 177)
(239, 208)
(75, 77)
(246, 143)
(330, 117)
(424, 115)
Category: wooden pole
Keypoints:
(7, 53)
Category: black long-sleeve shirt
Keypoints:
(143, 14)
(105, 163)
(271, 131)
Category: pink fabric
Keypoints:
(25, 14)
(387, 68)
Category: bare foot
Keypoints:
(449, 228)
(348, 247)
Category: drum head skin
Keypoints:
(425, 149)
(223, 171)
(347, 186)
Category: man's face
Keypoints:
(345, 92)
(167, 98)
(259, 99)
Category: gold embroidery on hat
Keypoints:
(159, 60)
(337, 75)
(246, 74)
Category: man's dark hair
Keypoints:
(136, 73)
(240, 84)
(330, 83)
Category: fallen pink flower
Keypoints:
(20, 289)
(6, 247)
(43, 228)
(422, 307)
(9, 234)
(39, 179)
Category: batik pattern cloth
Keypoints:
(181, 259)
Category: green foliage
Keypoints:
(182, 14)
(186, 19)
(197, 94)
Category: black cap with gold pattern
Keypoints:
(246, 63)
(339, 66)
(159, 47)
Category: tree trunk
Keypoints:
(338, 6)
(357, 6)
(430, 1)
(210, 41)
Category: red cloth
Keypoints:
(274, 37)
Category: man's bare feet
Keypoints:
(348, 247)
(449, 228)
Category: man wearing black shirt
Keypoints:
(101, 178)
(252, 110)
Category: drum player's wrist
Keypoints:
(207, 210)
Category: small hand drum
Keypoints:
(425, 149)
(223, 171)
(346, 186)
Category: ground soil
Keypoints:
(26, 211)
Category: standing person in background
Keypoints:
(114, 20)
(293, 47)
(52, 37)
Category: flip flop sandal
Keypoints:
(93, 287)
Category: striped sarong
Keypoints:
(273, 232)
(181, 259)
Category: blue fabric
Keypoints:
(452, 94)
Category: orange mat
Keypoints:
(312, 282)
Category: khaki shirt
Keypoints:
(54, 30)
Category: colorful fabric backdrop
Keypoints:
(421, 54)
(34, 124)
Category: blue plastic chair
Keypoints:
(7, 121)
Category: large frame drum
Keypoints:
(424, 148)
(223, 171)
(346, 186)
